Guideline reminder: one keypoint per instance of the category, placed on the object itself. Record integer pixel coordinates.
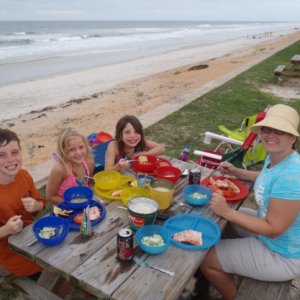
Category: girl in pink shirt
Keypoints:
(73, 166)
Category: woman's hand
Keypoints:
(219, 205)
(31, 205)
(227, 168)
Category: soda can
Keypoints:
(194, 176)
(125, 244)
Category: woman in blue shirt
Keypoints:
(269, 247)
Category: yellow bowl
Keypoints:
(107, 179)
(133, 192)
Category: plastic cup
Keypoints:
(162, 191)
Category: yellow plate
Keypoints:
(125, 182)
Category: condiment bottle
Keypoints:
(86, 226)
(184, 155)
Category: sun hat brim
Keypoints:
(276, 123)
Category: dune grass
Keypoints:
(227, 105)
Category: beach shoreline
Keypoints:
(136, 87)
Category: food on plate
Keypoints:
(142, 159)
(95, 214)
(78, 200)
(223, 186)
(61, 212)
(47, 232)
(198, 195)
(116, 193)
(133, 183)
(154, 240)
(190, 236)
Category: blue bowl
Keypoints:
(78, 197)
(193, 194)
(60, 228)
(150, 230)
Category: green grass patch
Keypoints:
(226, 105)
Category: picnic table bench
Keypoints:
(293, 72)
(262, 290)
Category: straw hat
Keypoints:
(281, 117)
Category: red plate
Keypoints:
(244, 190)
(161, 162)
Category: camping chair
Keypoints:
(249, 152)
(256, 153)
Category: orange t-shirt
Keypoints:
(11, 205)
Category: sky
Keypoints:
(198, 10)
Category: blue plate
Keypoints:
(210, 230)
(70, 219)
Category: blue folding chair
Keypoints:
(99, 156)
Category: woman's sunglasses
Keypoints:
(268, 130)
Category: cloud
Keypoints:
(56, 13)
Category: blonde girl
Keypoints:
(74, 163)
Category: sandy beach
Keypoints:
(93, 100)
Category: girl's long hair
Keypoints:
(135, 122)
(64, 138)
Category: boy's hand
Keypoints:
(31, 205)
(14, 225)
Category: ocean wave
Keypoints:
(18, 42)
(19, 33)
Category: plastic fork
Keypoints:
(189, 206)
(145, 264)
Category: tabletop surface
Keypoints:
(92, 262)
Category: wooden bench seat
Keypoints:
(29, 288)
(262, 290)
(279, 69)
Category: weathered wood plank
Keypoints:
(294, 74)
(48, 280)
(279, 69)
(261, 290)
(33, 290)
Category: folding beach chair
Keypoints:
(241, 147)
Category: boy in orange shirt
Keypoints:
(19, 203)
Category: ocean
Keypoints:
(33, 50)
(84, 44)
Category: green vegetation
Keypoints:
(139, 93)
(227, 105)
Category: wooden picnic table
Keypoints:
(293, 72)
(92, 263)
(295, 60)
